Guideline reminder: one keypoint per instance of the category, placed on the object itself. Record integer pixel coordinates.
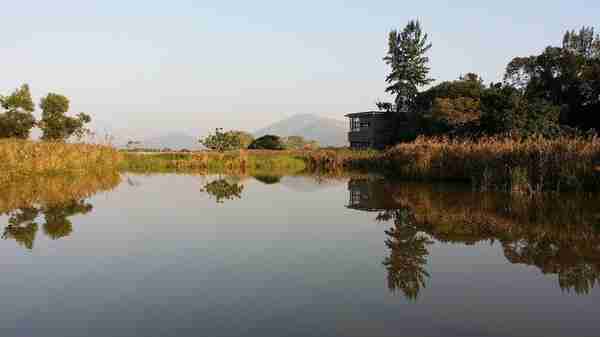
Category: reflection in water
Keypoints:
(557, 234)
(222, 189)
(54, 199)
(268, 179)
(408, 253)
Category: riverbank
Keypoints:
(524, 166)
(246, 162)
(23, 159)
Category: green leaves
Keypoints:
(408, 63)
(223, 141)
(55, 124)
(17, 120)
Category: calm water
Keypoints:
(176, 255)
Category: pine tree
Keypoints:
(408, 63)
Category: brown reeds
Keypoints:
(22, 159)
(519, 165)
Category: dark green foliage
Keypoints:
(450, 106)
(268, 142)
(55, 124)
(223, 141)
(223, 190)
(17, 119)
(408, 63)
(268, 179)
(507, 111)
(567, 77)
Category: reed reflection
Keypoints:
(51, 202)
(558, 234)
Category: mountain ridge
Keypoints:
(327, 131)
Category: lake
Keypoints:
(192, 255)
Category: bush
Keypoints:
(268, 142)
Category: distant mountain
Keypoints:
(327, 131)
(172, 140)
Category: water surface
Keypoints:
(184, 255)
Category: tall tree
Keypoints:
(17, 119)
(409, 64)
(55, 124)
(567, 77)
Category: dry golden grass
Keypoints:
(530, 165)
(21, 159)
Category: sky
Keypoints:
(153, 67)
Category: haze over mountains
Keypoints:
(327, 131)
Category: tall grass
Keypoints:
(530, 165)
(235, 162)
(21, 159)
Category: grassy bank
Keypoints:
(20, 159)
(251, 161)
(531, 165)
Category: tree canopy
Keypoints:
(267, 142)
(55, 124)
(407, 59)
(17, 120)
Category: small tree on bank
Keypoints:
(55, 124)
(17, 120)
(222, 141)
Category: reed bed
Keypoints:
(234, 162)
(518, 165)
(21, 159)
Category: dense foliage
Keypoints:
(17, 120)
(408, 63)
(222, 141)
(267, 142)
(552, 94)
(55, 124)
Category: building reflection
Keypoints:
(557, 234)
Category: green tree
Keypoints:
(267, 142)
(451, 105)
(55, 124)
(222, 141)
(17, 119)
(567, 77)
(408, 63)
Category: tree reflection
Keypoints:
(408, 253)
(22, 226)
(223, 190)
(557, 234)
(57, 223)
(268, 179)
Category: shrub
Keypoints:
(268, 142)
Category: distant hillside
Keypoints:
(327, 131)
(172, 140)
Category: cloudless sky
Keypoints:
(153, 67)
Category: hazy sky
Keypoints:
(160, 66)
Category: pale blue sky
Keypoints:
(159, 66)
